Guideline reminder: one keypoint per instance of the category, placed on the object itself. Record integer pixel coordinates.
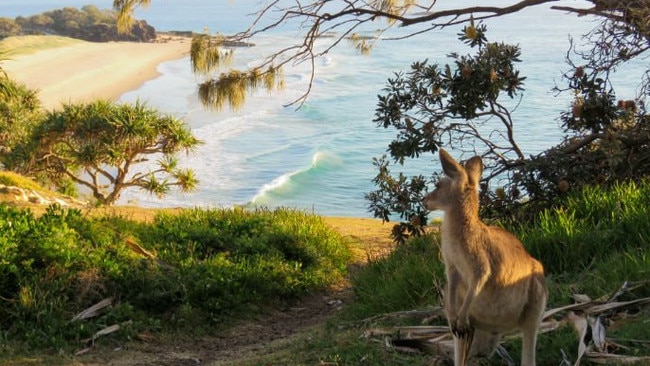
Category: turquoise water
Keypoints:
(319, 157)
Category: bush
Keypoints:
(206, 266)
(88, 23)
(20, 111)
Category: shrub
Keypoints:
(206, 266)
(20, 110)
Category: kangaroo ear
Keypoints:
(474, 169)
(450, 166)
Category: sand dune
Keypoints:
(83, 71)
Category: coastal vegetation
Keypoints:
(88, 23)
(74, 280)
(464, 106)
(66, 275)
(100, 146)
(19, 112)
(595, 247)
(71, 279)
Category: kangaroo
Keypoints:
(493, 286)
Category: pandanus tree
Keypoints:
(102, 146)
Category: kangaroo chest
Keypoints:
(455, 248)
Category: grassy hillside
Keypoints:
(25, 45)
(202, 281)
(597, 259)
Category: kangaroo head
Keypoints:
(459, 183)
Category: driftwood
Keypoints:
(587, 317)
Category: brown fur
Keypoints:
(493, 285)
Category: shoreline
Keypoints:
(83, 71)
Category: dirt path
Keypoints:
(261, 336)
(255, 338)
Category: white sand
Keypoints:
(85, 71)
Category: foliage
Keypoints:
(301, 241)
(56, 265)
(99, 145)
(232, 87)
(398, 195)
(410, 277)
(336, 21)
(592, 226)
(48, 274)
(607, 142)
(19, 113)
(8, 27)
(576, 261)
(88, 23)
(458, 105)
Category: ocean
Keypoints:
(319, 157)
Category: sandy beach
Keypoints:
(84, 71)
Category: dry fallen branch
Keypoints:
(94, 310)
(91, 341)
(609, 358)
(588, 318)
(136, 248)
(427, 315)
(581, 327)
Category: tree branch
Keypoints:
(489, 11)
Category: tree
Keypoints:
(319, 19)
(94, 15)
(19, 111)
(35, 24)
(90, 23)
(99, 145)
(607, 135)
(446, 105)
(8, 27)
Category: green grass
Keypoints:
(26, 45)
(592, 246)
(594, 224)
(598, 240)
(8, 178)
(207, 267)
(203, 259)
(411, 277)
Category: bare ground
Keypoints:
(243, 342)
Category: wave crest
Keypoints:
(288, 183)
